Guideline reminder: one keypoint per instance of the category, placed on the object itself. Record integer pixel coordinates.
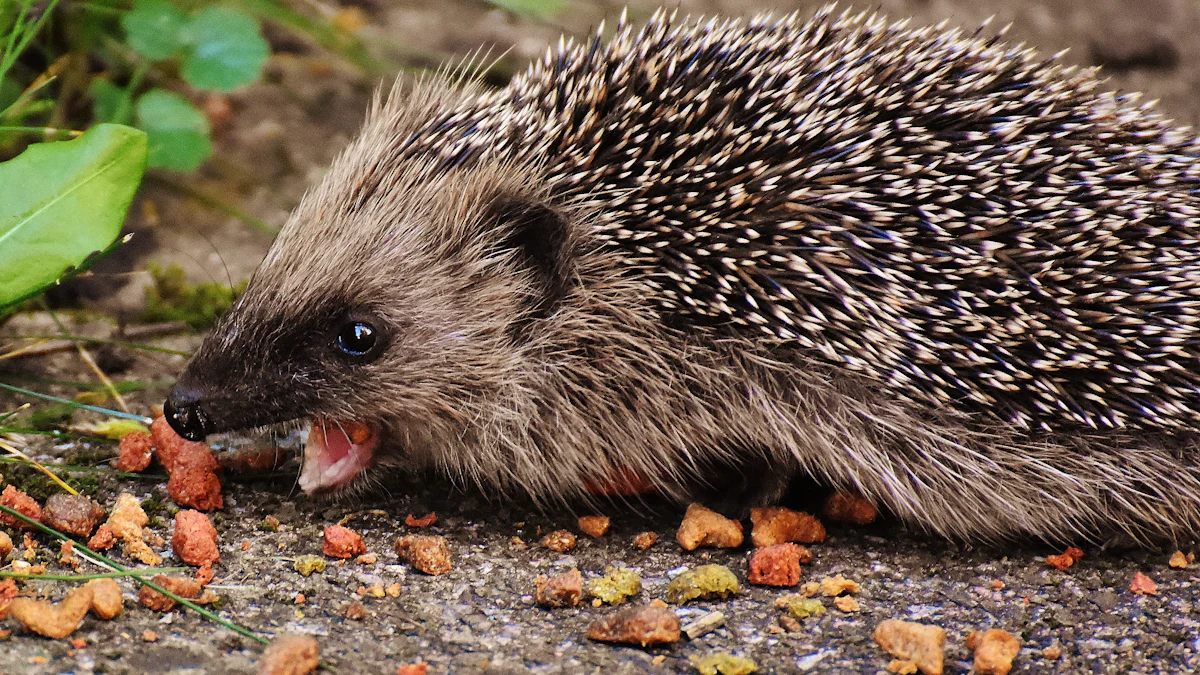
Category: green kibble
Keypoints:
(307, 564)
(724, 664)
(269, 524)
(615, 587)
(804, 608)
(707, 582)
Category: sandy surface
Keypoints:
(479, 617)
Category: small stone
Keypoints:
(704, 625)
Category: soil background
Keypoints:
(276, 141)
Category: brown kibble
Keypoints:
(136, 450)
(645, 625)
(342, 542)
(195, 538)
(704, 527)
(908, 641)
(777, 565)
(6, 546)
(21, 503)
(849, 507)
(103, 539)
(1052, 652)
(66, 554)
(594, 526)
(994, 650)
(645, 540)
(428, 554)
(149, 636)
(195, 487)
(424, 521)
(788, 623)
(1178, 560)
(126, 522)
(412, 669)
(354, 611)
(49, 620)
(181, 586)
(106, 598)
(73, 514)
(367, 559)
(8, 591)
(562, 590)
(846, 604)
(1143, 585)
(290, 655)
(559, 541)
(777, 525)
(902, 667)
(834, 586)
(1065, 559)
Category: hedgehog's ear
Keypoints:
(540, 236)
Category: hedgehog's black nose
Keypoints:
(183, 413)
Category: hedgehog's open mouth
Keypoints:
(336, 452)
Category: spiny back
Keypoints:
(955, 218)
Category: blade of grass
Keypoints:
(82, 406)
(78, 468)
(149, 572)
(106, 562)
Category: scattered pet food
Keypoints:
(615, 587)
(706, 582)
(777, 525)
(594, 526)
(424, 521)
(799, 607)
(342, 542)
(645, 540)
(192, 468)
(1143, 585)
(832, 587)
(126, 523)
(921, 645)
(195, 538)
(21, 503)
(778, 564)
(57, 621)
(561, 590)
(994, 650)
(1065, 559)
(73, 514)
(6, 545)
(136, 450)
(646, 625)
(182, 586)
(559, 541)
(290, 655)
(1178, 559)
(846, 603)
(307, 564)
(428, 554)
(704, 527)
(724, 664)
(849, 507)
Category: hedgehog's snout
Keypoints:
(184, 414)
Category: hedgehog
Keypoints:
(716, 256)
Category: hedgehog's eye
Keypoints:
(356, 338)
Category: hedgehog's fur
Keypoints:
(931, 267)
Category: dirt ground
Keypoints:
(480, 617)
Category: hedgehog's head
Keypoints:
(394, 310)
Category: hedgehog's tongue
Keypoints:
(336, 452)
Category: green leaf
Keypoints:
(106, 100)
(63, 202)
(155, 29)
(178, 132)
(537, 9)
(227, 50)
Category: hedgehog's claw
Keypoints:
(336, 452)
